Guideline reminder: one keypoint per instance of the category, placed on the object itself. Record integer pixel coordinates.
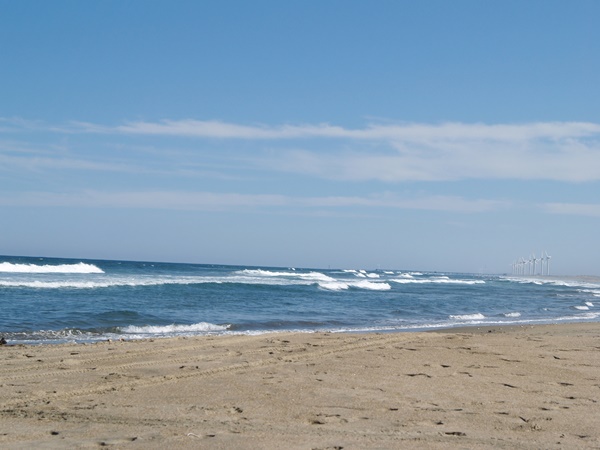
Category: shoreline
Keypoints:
(475, 329)
(517, 386)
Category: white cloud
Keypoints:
(428, 202)
(392, 153)
(565, 161)
(10, 163)
(213, 201)
(407, 132)
(144, 199)
(560, 151)
(223, 130)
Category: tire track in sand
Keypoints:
(272, 356)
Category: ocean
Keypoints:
(52, 300)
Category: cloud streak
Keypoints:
(214, 201)
(560, 151)
(576, 209)
(388, 152)
(408, 132)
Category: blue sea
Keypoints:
(51, 300)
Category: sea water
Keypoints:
(50, 300)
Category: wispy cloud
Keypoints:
(422, 202)
(214, 201)
(387, 152)
(565, 162)
(406, 132)
(223, 130)
(577, 209)
(561, 151)
(39, 164)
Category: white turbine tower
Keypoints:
(521, 266)
(547, 263)
(533, 260)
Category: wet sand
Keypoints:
(507, 387)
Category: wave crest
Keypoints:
(362, 284)
(201, 327)
(310, 276)
(476, 316)
(436, 280)
(81, 267)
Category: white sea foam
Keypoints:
(362, 284)
(244, 277)
(312, 276)
(248, 276)
(594, 292)
(257, 276)
(512, 314)
(476, 316)
(107, 282)
(590, 304)
(334, 286)
(201, 327)
(567, 282)
(581, 307)
(55, 284)
(590, 315)
(436, 280)
(405, 275)
(81, 267)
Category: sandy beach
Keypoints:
(509, 387)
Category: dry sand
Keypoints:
(510, 387)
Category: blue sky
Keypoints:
(431, 135)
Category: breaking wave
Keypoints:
(476, 316)
(81, 267)
(363, 284)
(435, 280)
(173, 329)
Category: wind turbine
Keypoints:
(521, 265)
(547, 263)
